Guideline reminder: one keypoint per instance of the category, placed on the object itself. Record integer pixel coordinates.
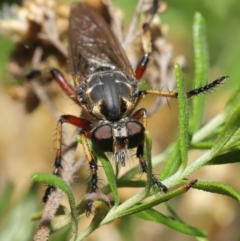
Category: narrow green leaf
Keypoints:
(101, 208)
(201, 60)
(5, 198)
(16, 223)
(229, 130)
(151, 203)
(227, 134)
(108, 169)
(202, 145)
(234, 141)
(81, 206)
(234, 98)
(123, 181)
(148, 158)
(183, 118)
(219, 188)
(134, 184)
(155, 216)
(173, 163)
(172, 212)
(58, 182)
(226, 158)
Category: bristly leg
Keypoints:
(93, 185)
(94, 177)
(58, 158)
(207, 87)
(47, 193)
(141, 114)
(76, 121)
(92, 163)
(144, 167)
(146, 42)
(51, 188)
(191, 93)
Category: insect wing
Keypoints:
(92, 45)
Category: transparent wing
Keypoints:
(92, 45)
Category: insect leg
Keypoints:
(48, 75)
(141, 114)
(65, 86)
(206, 88)
(191, 93)
(92, 163)
(146, 41)
(93, 168)
(141, 67)
(76, 121)
(147, 47)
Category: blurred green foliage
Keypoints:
(222, 25)
(223, 35)
(6, 48)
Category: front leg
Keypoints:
(144, 167)
(93, 182)
(141, 114)
(49, 74)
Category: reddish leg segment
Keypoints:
(65, 86)
(142, 66)
(58, 77)
(146, 41)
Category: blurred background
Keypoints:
(26, 139)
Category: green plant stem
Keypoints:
(143, 206)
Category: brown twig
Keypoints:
(43, 97)
(37, 88)
(67, 170)
(55, 197)
(50, 32)
(116, 19)
(165, 79)
(131, 36)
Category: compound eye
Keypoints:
(135, 133)
(102, 138)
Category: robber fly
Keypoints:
(106, 88)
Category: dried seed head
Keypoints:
(20, 23)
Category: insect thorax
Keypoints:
(108, 95)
